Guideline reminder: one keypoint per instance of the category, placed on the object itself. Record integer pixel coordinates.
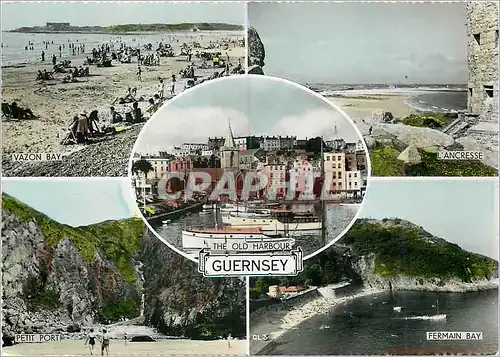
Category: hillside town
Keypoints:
(287, 161)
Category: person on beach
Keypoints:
(172, 85)
(125, 337)
(20, 113)
(115, 116)
(157, 100)
(161, 88)
(104, 343)
(82, 128)
(139, 73)
(136, 112)
(54, 60)
(43, 56)
(91, 341)
(93, 122)
(151, 109)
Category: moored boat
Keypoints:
(234, 238)
(280, 221)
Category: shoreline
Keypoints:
(262, 322)
(296, 314)
(119, 347)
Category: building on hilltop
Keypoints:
(58, 26)
(482, 32)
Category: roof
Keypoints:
(229, 141)
(249, 152)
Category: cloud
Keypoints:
(319, 122)
(172, 126)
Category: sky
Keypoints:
(19, 14)
(75, 201)
(363, 43)
(254, 105)
(464, 212)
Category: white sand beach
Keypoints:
(278, 319)
(119, 348)
(366, 105)
(55, 103)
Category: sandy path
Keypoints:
(118, 348)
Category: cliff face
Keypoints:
(398, 255)
(51, 287)
(57, 278)
(365, 267)
(180, 301)
(256, 52)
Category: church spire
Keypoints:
(229, 142)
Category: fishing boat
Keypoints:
(397, 308)
(438, 316)
(279, 221)
(208, 207)
(232, 238)
(167, 221)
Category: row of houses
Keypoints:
(265, 143)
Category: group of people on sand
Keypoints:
(103, 338)
(13, 111)
(44, 75)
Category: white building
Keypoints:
(194, 146)
(354, 180)
(270, 143)
(160, 166)
(241, 143)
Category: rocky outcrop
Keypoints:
(58, 278)
(49, 287)
(256, 51)
(421, 138)
(398, 255)
(180, 301)
(410, 155)
(365, 267)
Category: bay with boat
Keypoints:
(228, 220)
(396, 323)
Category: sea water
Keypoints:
(369, 325)
(13, 43)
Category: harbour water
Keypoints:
(369, 325)
(338, 218)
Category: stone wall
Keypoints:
(482, 30)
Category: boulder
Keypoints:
(490, 158)
(142, 338)
(256, 51)
(383, 117)
(410, 155)
(422, 138)
(370, 142)
(255, 69)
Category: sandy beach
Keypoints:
(55, 103)
(117, 348)
(368, 104)
(278, 319)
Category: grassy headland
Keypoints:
(118, 240)
(126, 28)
